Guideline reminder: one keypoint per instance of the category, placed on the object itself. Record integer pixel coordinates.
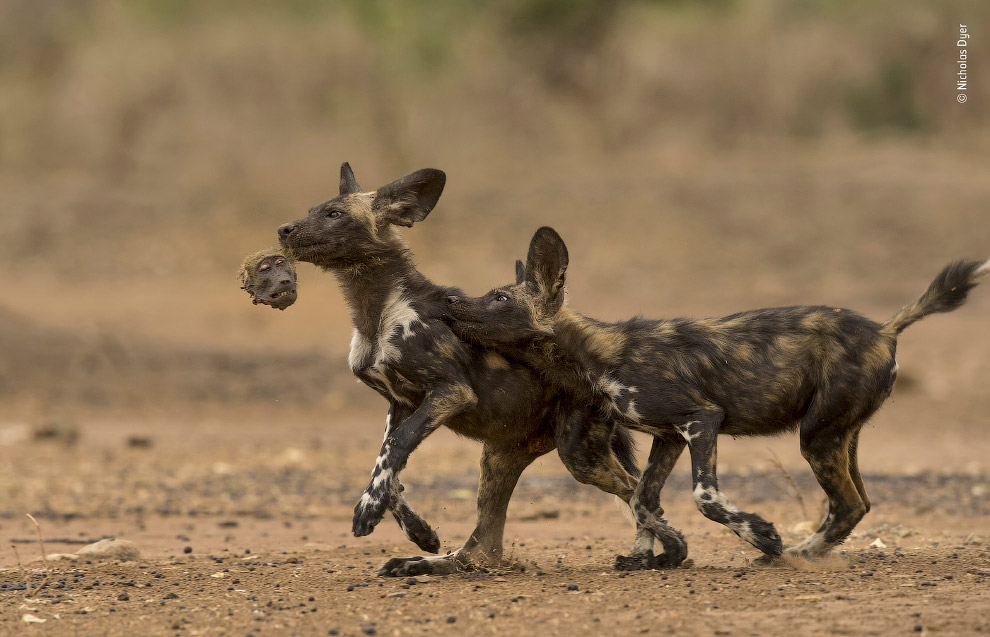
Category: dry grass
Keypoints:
(792, 487)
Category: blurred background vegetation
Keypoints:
(698, 157)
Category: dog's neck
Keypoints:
(369, 286)
(581, 351)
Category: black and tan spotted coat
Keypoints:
(820, 370)
(402, 348)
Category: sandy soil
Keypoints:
(263, 502)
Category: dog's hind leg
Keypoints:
(701, 434)
(646, 508)
(585, 444)
(500, 470)
(830, 449)
(854, 473)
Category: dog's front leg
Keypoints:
(412, 524)
(440, 405)
(645, 504)
(500, 470)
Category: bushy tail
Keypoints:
(947, 292)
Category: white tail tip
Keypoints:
(983, 270)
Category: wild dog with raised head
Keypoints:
(821, 370)
(403, 349)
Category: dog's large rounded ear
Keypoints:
(520, 272)
(348, 184)
(408, 200)
(546, 268)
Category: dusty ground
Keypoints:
(263, 502)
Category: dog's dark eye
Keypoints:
(501, 298)
(333, 214)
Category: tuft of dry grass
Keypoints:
(793, 490)
(44, 557)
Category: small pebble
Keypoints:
(187, 550)
(572, 587)
(451, 619)
(123, 597)
(369, 630)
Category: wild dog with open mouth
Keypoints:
(269, 277)
(403, 349)
(821, 370)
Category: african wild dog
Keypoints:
(269, 277)
(821, 370)
(403, 350)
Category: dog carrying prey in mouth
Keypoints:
(403, 349)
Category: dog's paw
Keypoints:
(675, 549)
(768, 560)
(766, 538)
(636, 562)
(409, 566)
(417, 529)
(368, 513)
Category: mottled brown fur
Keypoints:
(402, 348)
(821, 370)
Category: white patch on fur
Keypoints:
(745, 532)
(983, 270)
(631, 412)
(398, 316)
(441, 558)
(644, 542)
(610, 387)
(742, 528)
(383, 476)
(812, 545)
(685, 431)
(360, 350)
(715, 497)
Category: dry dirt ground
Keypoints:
(157, 405)
(263, 501)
